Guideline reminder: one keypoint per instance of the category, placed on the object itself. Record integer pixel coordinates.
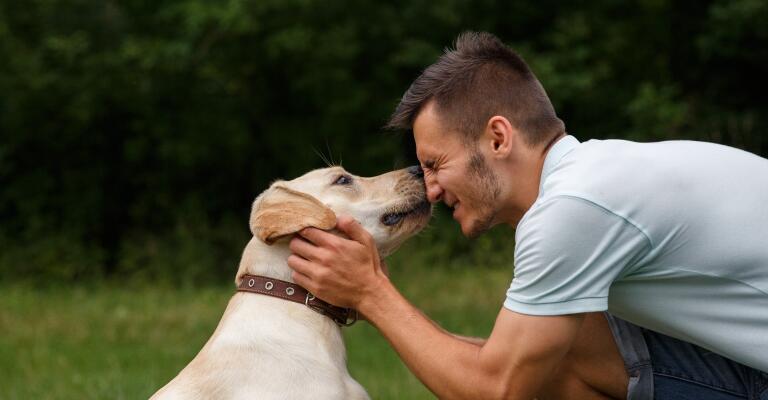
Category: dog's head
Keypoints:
(391, 207)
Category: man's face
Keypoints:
(456, 173)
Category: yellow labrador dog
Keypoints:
(266, 347)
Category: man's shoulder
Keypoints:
(611, 173)
(572, 218)
(591, 164)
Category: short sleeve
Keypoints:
(568, 252)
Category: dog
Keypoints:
(269, 348)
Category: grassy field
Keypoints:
(113, 342)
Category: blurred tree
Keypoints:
(134, 134)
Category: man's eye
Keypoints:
(343, 180)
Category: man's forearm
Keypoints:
(469, 339)
(472, 340)
(448, 365)
(521, 352)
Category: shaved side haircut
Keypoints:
(477, 80)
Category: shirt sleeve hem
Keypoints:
(592, 304)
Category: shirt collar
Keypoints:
(556, 153)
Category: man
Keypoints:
(670, 236)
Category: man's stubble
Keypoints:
(488, 190)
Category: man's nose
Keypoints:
(434, 191)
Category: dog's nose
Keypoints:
(416, 171)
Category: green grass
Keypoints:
(113, 342)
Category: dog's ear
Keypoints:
(282, 211)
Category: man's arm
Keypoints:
(477, 341)
(513, 363)
(518, 357)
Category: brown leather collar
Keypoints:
(293, 292)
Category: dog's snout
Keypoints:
(416, 171)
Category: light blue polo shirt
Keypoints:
(671, 236)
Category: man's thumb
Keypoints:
(353, 229)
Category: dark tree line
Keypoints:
(135, 134)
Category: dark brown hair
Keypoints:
(481, 78)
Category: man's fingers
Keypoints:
(316, 236)
(305, 249)
(302, 266)
(353, 229)
(303, 281)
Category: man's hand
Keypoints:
(514, 363)
(338, 270)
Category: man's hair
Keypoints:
(481, 78)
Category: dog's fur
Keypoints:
(268, 348)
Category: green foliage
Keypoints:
(190, 253)
(134, 135)
(54, 258)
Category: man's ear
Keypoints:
(282, 211)
(499, 134)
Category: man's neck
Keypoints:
(526, 190)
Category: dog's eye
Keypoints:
(343, 180)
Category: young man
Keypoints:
(671, 236)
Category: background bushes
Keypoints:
(135, 134)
